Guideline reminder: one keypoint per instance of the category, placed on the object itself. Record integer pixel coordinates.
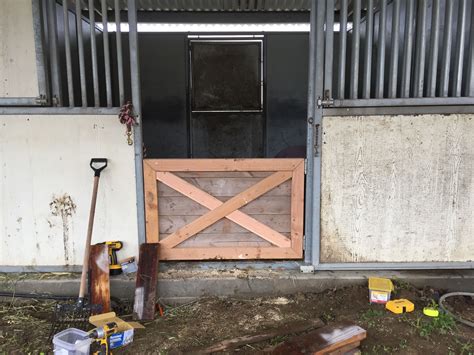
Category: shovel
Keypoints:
(77, 315)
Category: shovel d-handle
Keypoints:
(98, 164)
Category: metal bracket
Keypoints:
(328, 102)
(307, 269)
(306, 166)
(41, 100)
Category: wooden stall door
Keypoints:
(200, 209)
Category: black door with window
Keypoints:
(226, 98)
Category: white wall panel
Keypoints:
(43, 157)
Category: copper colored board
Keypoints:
(99, 276)
(145, 289)
(324, 340)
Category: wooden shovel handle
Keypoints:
(85, 264)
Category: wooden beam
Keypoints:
(212, 203)
(228, 253)
(226, 208)
(145, 289)
(285, 330)
(151, 203)
(297, 209)
(325, 340)
(223, 164)
(99, 276)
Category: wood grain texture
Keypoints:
(224, 164)
(230, 253)
(99, 276)
(325, 340)
(151, 203)
(297, 208)
(225, 187)
(398, 189)
(279, 222)
(227, 207)
(213, 203)
(145, 289)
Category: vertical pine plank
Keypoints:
(297, 209)
(145, 289)
(151, 203)
(99, 276)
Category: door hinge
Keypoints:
(305, 169)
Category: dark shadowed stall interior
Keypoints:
(238, 99)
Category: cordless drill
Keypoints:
(114, 266)
(102, 336)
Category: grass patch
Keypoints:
(371, 316)
(442, 325)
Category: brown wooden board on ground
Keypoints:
(145, 289)
(225, 208)
(99, 279)
(330, 339)
(287, 329)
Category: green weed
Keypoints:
(443, 324)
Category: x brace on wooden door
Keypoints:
(195, 231)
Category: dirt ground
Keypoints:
(24, 326)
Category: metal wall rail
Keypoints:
(81, 29)
(410, 49)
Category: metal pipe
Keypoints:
(418, 101)
(105, 35)
(118, 38)
(310, 135)
(434, 49)
(95, 74)
(137, 131)
(67, 44)
(328, 77)
(470, 62)
(447, 46)
(80, 47)
(408, 49)
(342, 50)
(54, 55)
(460, 48)
(354, 85)
(380, 80)
(317, 133)
(393, 70)
(420, 54)
(369, 35)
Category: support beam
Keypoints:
(137, 130)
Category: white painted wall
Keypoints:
(18, 76)
(398, 189)
(46, 156)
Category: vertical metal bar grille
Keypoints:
(470, 61)
(105, 35)
(329, 47)
(447, 45)
(354, 84)
(381, 50)
(393, 70)
(80, 50)
(342, 50)
(460, 48)
(118, 38)
(54, 54)
(434, 49)
(67, 44)
(420, 49)
(95, 71)
(408, 48)
(369, 35)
